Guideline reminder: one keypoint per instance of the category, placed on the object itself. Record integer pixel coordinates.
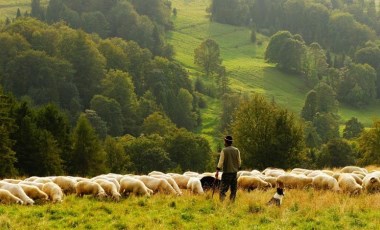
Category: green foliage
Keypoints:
(327, 126)
(157, 123)
(311, 104)
(148, 154)
(342, 31)
(353, 128)
(110, 111)
(358, 85)
(36, 149)
(267, 135)
(87, 61)
(369, 144)
(51, 119)
(188, 150)
(117, 160)
(88, 155)
(97, 123)
(335, 153)
(207, 56)
(118, 85)
(95, 22)
(286, 50)
(7, 125)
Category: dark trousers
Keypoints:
(229, 180)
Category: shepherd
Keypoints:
(230, 162)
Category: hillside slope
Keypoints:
(247, 70)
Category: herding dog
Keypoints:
(277, 198)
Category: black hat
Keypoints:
(228, 139)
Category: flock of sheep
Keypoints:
(350, 179)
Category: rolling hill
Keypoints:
(247, 70)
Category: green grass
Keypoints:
(306, 209)
(246, 68)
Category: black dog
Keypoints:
(277, 198)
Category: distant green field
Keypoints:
(244, 61)
(8, 8)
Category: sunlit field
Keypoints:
(301, 209)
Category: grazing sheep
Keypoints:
(294, 181)
(17, 191)
(66, 184)
(110, 188)
(53, 191)
(12, 181)
(326, 182)
(181, 180)
(157, 184)
(348, 184)
(350, 169)
(132, 185)
(171, 182)
(274, 172)
(195, 186)
(191, 174)
(109, 179)
(155, 173)
(251, 183)
(7, 197)
(43, 180)
(301, 171)
(89, 188)
(34, 192)
(38, 185)
(271, 180)
(371, 182)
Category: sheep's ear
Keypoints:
(372, 180)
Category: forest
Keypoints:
(89, 87)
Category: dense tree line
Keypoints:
(143, 21)
(42, 141)
(117, 79)
(337, 25)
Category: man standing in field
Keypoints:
(230, 162)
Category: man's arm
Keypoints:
(221, 160)
(239, 159)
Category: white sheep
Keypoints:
(132, 185)
(7, 197)
(326, 182)
(53, 191)
(17, 191)
(348, 184)
(371, 182)
(181, 180)
(350, 169)
(110, 188)
(195, 186)
(34, 192)
(89, 188)
(252, 182)
(157, 184)
(171, 181)
(294, 181)
(67, 184)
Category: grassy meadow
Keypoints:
(306, 209)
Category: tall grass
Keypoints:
(301, 209)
